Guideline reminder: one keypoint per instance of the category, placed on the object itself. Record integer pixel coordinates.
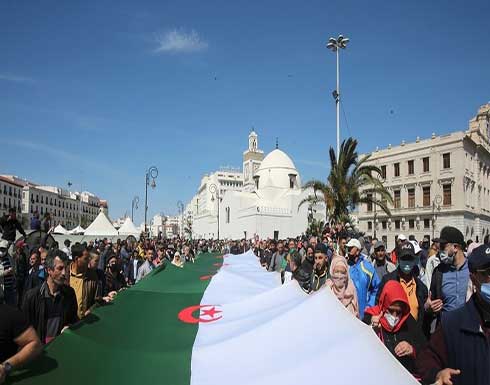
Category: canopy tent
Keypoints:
(101, 226)
(128, 228)
(60, 230)
(77, 230)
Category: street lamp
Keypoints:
(134, 206)
(180, 207)
(213, 189)
(335, 45)
(435, 202)
(152, 173)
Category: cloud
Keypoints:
(177, 41)
(15, 78)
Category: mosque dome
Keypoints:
(277, 171)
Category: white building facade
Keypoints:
(262, 201)
(10, 195)
(436, 182)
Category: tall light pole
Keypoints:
(152, 173)
(213, 189)
(180, 207)
(335, 45)
(134, 206)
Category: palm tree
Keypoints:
(351, 182)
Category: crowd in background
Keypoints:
(428, 302)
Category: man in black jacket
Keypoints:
(407, 275)
(9, 225)
(51, 307)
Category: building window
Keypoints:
(37, 198)
(411, 224)
(411, 198)
(397, 199)
(446, 200)
(383, 225)
(411, 168)
(425, 164)
(369, 204)
(396, 167)
(426, 196)
(383, 172)
(42, 200)
(426, 223)
(397, 224)
(370, 225)
(446, 160)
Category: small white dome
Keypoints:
(277, 159)
(274, 174)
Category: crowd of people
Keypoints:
(428, 302)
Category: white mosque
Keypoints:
(260, 202)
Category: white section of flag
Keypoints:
(271, 333)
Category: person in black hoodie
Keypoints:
(395, 326)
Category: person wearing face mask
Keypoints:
(342, 286)
(458, 350)
(450, 284)
(363, 276)
(397, 329)
(407, 275)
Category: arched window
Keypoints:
(227, 215)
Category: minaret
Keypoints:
(251, 161)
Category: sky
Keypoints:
(96, 92)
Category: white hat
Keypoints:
(416, 247)
(4, 244)
(354, 243)
(402, 237)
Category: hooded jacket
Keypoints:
(405, 330)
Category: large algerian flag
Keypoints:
(220, 321)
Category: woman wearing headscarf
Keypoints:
(177, 261)
(395, 326)
(342, 286)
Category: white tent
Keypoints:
(128, 228)
(77, 230)
(101, 226)
(60, 230)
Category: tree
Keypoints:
(315, 228)
(350, 182)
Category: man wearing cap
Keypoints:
(363, 275)
(320, 268)
(400, 240)
(379, 261)
(458, 350)
(407, 275)
(450, 287)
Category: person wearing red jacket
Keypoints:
(395, 326)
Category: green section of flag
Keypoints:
(136, 340)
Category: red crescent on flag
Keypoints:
(205, 277)
(217, 264)
(207, 313)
